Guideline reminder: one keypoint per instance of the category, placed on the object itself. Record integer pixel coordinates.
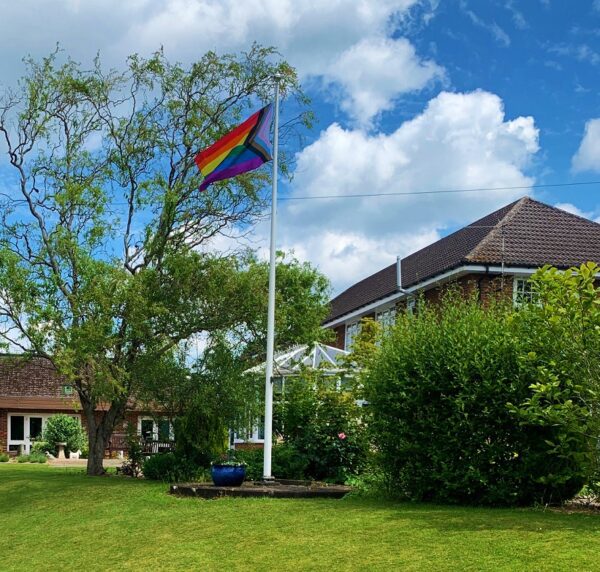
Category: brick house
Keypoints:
(495, 254)
(31, 391)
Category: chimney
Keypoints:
(398, 273)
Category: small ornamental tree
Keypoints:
(62, 428)
(484, 406)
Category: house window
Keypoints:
(155, 429)
(522, 292)
(66, 390)
(255, 433)
(17, 428)
(352, 331)
(411, 305)
(386, 318)
(147, 428)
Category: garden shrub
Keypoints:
(4, 458)
(23, 459)
(475, 405)
(169, 467)
(62, 428)
(132, 466)
(321, 426)
(286, 462)
(38, 458)
(41, 447)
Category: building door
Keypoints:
(35, 426)
(16, 433)
(23, 430)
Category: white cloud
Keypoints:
(459, 141)
(374, 71)
(501, 37)
(571, 208)
(336, 40)
(587, 157)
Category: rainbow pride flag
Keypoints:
(244, 149)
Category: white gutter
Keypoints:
(456, 272)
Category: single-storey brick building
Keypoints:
(31, 391)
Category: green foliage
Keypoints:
(472, 405)
(321, 425)
(4, 458)
(107, 295)
(62, 428)
(286, 462)
(560, 336)
(132, 466)
(169, 467)
(42, 447)
(32, 458)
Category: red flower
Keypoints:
(342, 436)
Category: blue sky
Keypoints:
(410, 95)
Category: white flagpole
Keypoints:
(268, 444)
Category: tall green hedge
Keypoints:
(461, 410)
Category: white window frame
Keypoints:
(386, 317)
(518, 279)
(411, 305)
(26, 442)
(253, 436)
(351, 331)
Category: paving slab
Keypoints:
(253, 489)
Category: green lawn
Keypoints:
(57, 519)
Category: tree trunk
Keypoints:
(99, 431)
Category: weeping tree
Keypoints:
(211, 395)
(103, 268)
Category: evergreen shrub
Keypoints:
(169, 467)
(63, 428)
(477, 405)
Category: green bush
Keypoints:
(4, 458)
(32, 458)
(286, 462)
(169, 467)
(41, 447)
(132, 467)
(324, 437)
(463, 411)
(62, 428)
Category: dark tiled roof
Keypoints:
(376, 286)
(33, 377)
(524, 233)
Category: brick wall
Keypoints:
(340, 336)
(3, 431)
(486, 287)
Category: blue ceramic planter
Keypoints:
(227, 476)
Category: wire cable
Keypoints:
(437, 191)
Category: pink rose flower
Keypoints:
(342, 436)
